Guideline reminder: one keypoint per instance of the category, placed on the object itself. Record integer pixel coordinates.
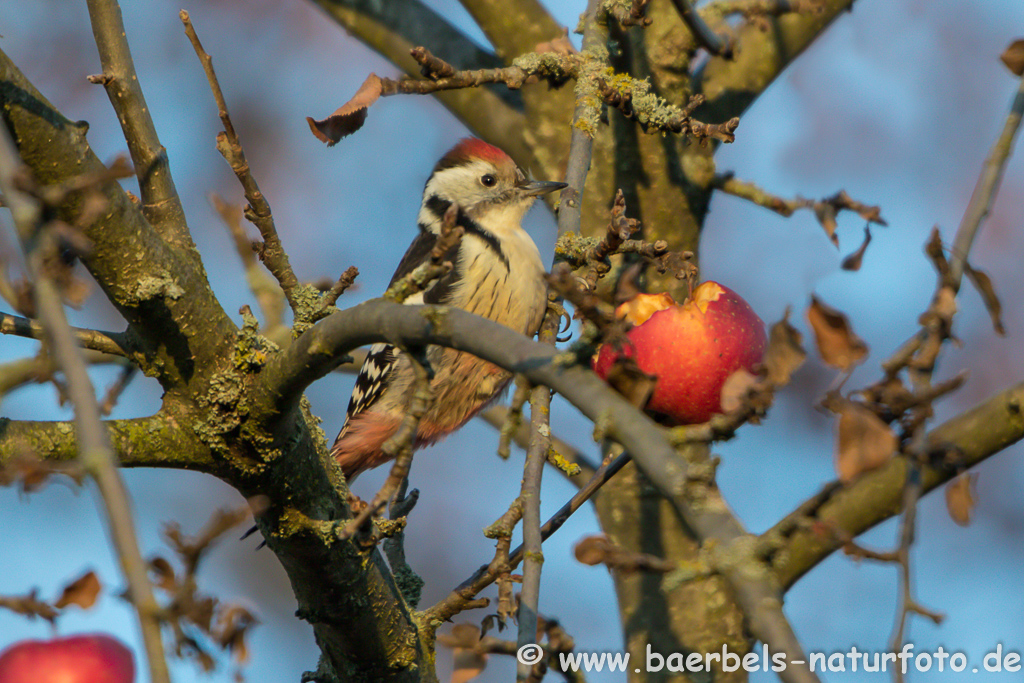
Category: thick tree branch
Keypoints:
(513, 33)
(156, 441)
(178, 330)
(160, 201)
(315, 354)
(973, 436)
(759, 56)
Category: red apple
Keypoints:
(92, 658)
(692, 349)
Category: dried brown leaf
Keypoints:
(785, 351)
(826, 214)
(1013, 57)
(233, 622)
(163, 574)
(735, 389)
(983, 283)
(854, 260)
(350, 117)
(593, 550)
(864, 442)
(960, 498)
(836, 341)
(81, 592)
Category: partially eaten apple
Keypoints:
(691, 348)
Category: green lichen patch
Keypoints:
(308, 308)
(155, 287)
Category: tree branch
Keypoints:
(96, 453)
(708, 39)
(393, 28)
(317, 352)
(258, 211)
(513, 33)
(160, 200)
(113, 343)
(985, 189)
(176, 337)
(973, 436)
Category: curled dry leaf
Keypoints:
(854, 260)
(837, 344)
(864, 442)
(1013, 57)
(735, 390)
(81, 592)
(592, 550)
(960, 498)
(785, 351)
(826, 214)
(348, 118)
(233, 621)
(983, 283)
(163, 574)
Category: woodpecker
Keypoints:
(497, 274)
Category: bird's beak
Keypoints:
(535, 188)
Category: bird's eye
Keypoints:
(488, 180)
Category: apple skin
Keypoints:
(692, 349)
(90, 658)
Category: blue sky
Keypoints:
(898, 104)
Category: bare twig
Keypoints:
(584, 125)
(267, 291)
(486, 575)
(498, 416)
(95, 448)
(707, 38)
(409, 582)
(344, 281)
(512, 419)
(113, 343)
(536, 457)
(428, 271)
(258, 211)
(825, 210)
(985, 189)
(160, 201)
(115, 390)
(634, 96)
